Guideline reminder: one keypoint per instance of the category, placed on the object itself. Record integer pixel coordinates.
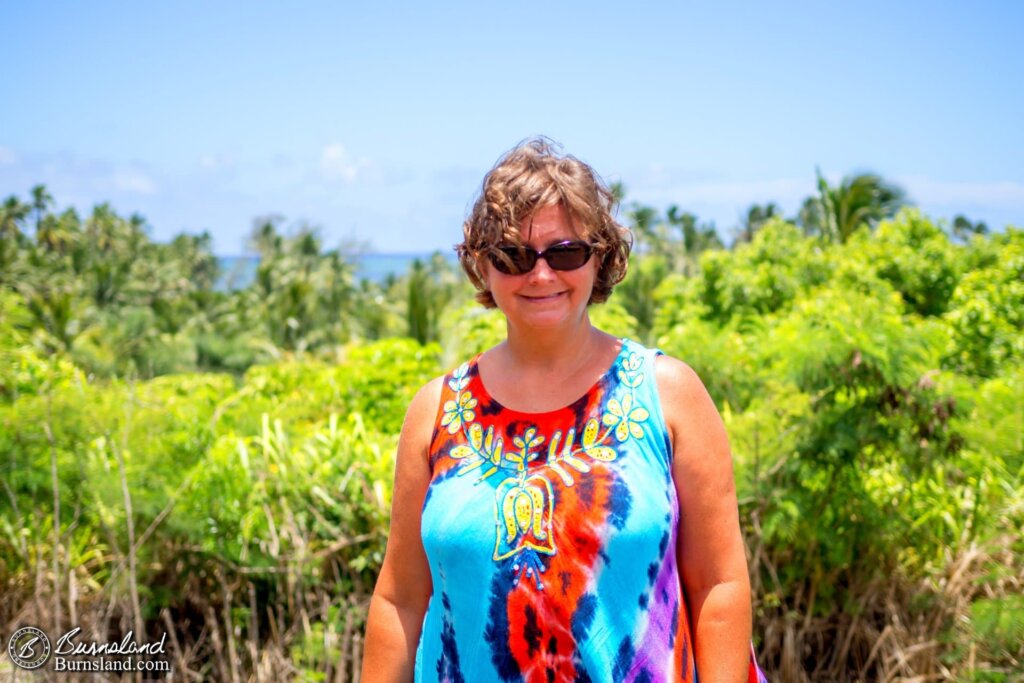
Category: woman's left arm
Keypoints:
(712, 560)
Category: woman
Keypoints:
(564, 507)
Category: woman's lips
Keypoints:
(542, 298)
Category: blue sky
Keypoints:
(377, 125)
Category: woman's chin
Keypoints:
(545, 319)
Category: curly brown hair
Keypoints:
(532, 175)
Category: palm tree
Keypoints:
(57, 234)
(194, 256)
(669, 244)
(265, 237)
(643, 220)
(115, 244)
(305, 295)
(430, 287)
(757, 215)
(12, 215)
(677, 237)
(964, 228)
(53, 308)
(837, 212)
(135, 234)
(102, 227)
(41, 200)
(693, 240)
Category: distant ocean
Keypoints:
(238, 272)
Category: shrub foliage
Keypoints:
(218, 462)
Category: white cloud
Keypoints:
(216, 162)
(133, 180)
(337, 164)
(7, 156)
(70, 177)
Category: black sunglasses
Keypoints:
(568, 255)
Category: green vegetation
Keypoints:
(218, 463)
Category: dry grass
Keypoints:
(225, 623)
(889, 637)
(301, 616)
(250, 625)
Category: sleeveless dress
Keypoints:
(551, 538)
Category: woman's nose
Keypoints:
(542, 272)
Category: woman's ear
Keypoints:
(481, 266)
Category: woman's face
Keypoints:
(543, 297)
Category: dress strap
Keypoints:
(636, 378)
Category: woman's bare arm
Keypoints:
(403, 587)
(712, 560)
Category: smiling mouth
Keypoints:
(548, 297)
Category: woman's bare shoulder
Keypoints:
(685, 402)
(677, 380)
(429, 392)
(424, 405)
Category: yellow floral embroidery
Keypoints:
(524, 521)
(524, 502)
(458, 412)
(629, 373)
(626, 417)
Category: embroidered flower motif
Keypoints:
(634, 362)
(460, 379)
(524, 516)
(455, 414)
(524, 444)
(626, 417)
(592, 443)
(528, 440)
(629, 371)
(482, 449)
(524, 498)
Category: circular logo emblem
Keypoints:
(29, 648)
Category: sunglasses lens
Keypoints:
(567, 256)
(514, 261)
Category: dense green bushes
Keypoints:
(221, 462)
(277, 483)
(873, 453)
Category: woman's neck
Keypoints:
(562, 347)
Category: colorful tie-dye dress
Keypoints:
(551, 537)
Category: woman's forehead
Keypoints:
(551, 223)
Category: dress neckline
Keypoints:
(488, 399)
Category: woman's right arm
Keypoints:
(403, 587)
